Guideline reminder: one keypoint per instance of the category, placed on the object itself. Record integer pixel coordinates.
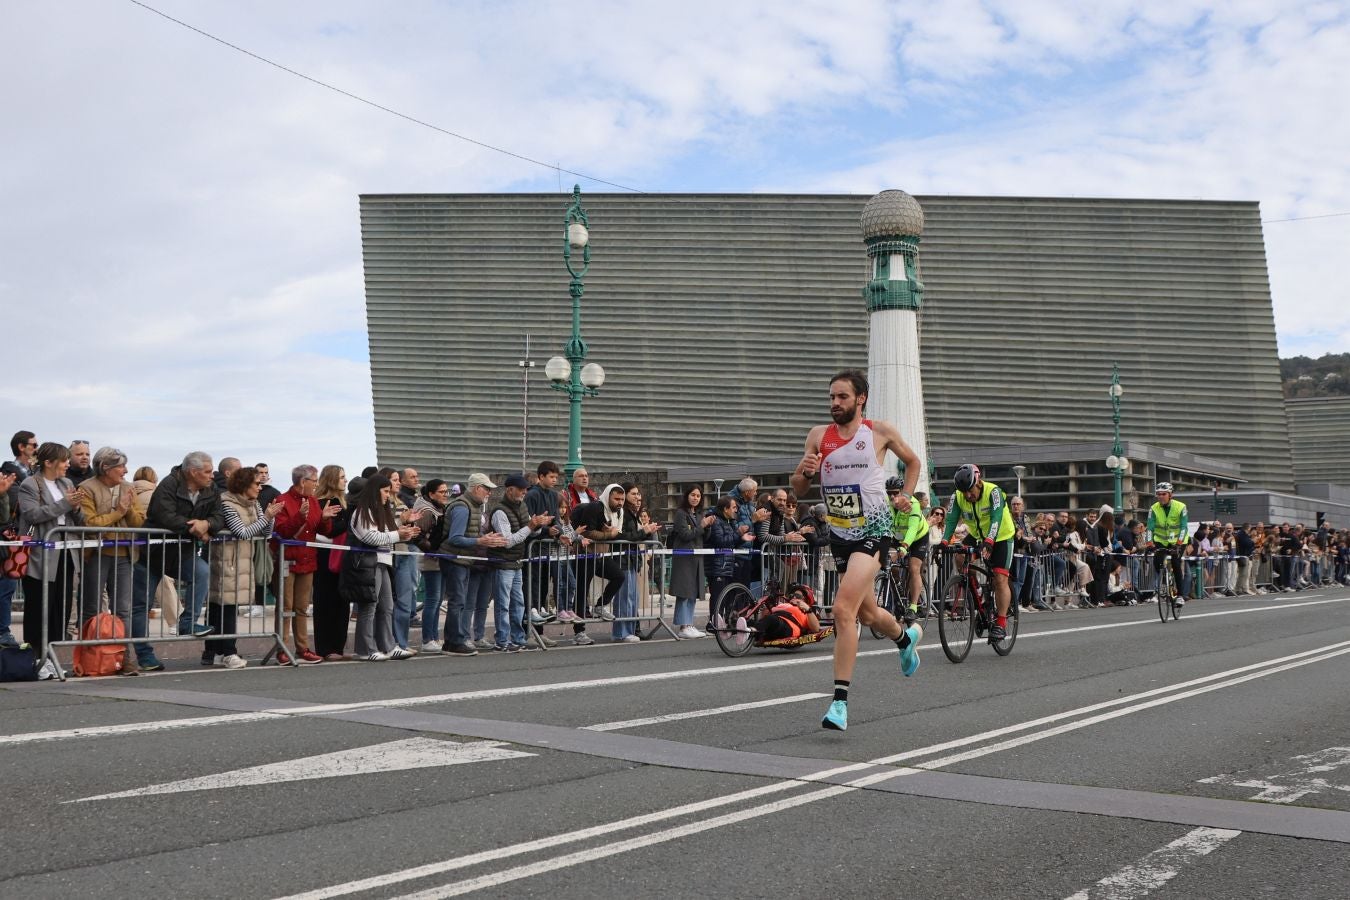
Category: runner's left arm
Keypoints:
(896, 444)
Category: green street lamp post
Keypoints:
(567, 373)
(1117, 462)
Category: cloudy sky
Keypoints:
(179, 248)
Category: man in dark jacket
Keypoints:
(542, 500)
(1245, 548)
(185, 503)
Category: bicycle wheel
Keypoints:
(1164, 592)
(886, 599)
(956, 619)
(1004, 647)
(731, 613)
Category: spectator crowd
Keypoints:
(528, 551)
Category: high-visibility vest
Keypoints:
(976, 515)
(1167, 525)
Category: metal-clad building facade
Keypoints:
(1319, 432)
(719, 318)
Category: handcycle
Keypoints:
(967, 609)
(736, 617)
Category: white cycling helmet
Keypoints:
(1164, 487)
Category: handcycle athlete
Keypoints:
(1169, 531)
(909, 529)
(982, 506)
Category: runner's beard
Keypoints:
(844, 417)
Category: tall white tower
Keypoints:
(892, 223)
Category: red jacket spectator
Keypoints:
(293, 526)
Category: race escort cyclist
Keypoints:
(982, 506)
(909, 530)
(1169, 532)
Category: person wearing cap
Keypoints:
(1168, 531)
(510, 519)
(468, 580)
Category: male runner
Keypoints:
(848, 455)
(980, 504)
(1168, 530)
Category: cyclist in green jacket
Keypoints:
(909, 529)
(983, 506)
(1169, 531)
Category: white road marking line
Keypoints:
(700, 713)
(91, 731)
(1115, 714)
(529, 870)
(1287, 787)
(1107, 704)
(1159, 867)
(522, 690)
(392, 756)
(579, 857)
(565, 838)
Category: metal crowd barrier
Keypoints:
(121, 570)
(577, 580)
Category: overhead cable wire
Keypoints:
(495, 149)
(393, 112)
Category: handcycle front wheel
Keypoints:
(731, 615)
(956, 614)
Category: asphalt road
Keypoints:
(1110, 756)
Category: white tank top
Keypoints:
(854, 485)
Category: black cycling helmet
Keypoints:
(966, 477)
(894, 484)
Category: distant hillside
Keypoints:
(1328, 376)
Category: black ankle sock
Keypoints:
(841, 690)
(903, 640)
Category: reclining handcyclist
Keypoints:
(791, 617)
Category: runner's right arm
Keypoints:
(810, 463)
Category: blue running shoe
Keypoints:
(836, 719)
(909, 657)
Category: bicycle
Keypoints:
(967, 609)
(892, 591)
(1167, 593)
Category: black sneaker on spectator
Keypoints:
(460, 650)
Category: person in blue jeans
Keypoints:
(184, 503)
(509, 518)
(467, 580)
